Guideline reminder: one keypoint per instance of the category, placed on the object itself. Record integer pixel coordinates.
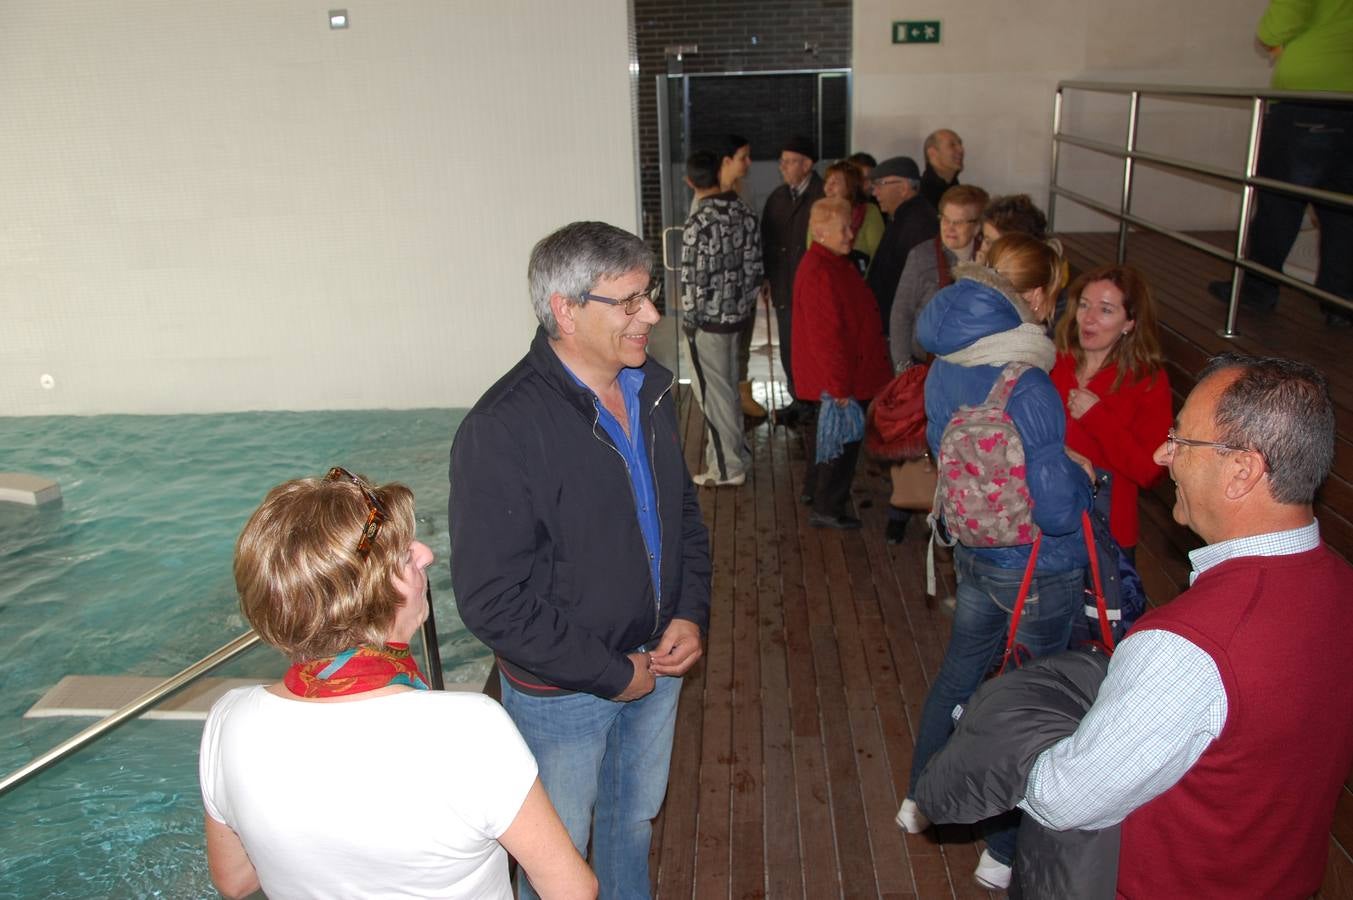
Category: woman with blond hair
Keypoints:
(349, 778)
(1111, 377)
(990, 317)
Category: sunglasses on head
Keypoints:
(376, 514)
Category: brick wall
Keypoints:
(736, 36)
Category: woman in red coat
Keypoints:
(1110, 376)
(839, 353)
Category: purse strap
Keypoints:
(1011, 648)
(1105, 631)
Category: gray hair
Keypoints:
(1282, 409)
(573, 259)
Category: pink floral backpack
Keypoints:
(983, 492)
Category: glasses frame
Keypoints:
(1174, 440)
(376, 514)
(631, 305)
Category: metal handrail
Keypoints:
(431, 653)
(1249, 180)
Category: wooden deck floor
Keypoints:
(794, 735)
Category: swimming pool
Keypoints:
(130, 574)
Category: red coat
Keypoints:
(838, 347)
(1120, 434)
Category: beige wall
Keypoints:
(223, 205)
(994, 75)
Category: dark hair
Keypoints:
(1282, 409)
(850, 173)
(730, 145)
(702, 168)
(862, 159)
(1017, 212)
(1137, 352)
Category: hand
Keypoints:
(841, 401)
(1083, 462)
(678, 650)
(642, 681)
(1078, 402)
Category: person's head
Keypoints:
(865, 163)
(702, 170)
(1112, 312)
(327, 564)
(1251, 446)
(735, 158)
(1032, 267)
(842, 179)
(944, 153)
(896, 181)
(796, 160)
(961, 215)
(1013, 212)
(829, 224)
(583, 258)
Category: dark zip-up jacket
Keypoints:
(548, 564)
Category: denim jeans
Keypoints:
(986, 596)
(604, 757)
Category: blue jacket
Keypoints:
(548, 564)
(955, 318)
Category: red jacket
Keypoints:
(838, 347)
(1252, 817)
(1119, 434)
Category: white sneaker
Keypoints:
(991, 874)
(910, 818)
(709, 479)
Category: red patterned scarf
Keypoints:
(364, 668)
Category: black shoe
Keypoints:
(840, 523)
(1259, 300)
(896, 531)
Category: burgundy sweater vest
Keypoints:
(1252, 817)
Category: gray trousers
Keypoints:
(714, 357)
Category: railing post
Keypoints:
(1125, 202)
(1056, 153)
(1246, 205)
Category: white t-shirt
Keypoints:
(396, 796)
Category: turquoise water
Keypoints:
(130, 574)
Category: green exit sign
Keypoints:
(916, 32)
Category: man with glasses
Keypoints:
(1222, 735)
(911, 221)
(578, 551)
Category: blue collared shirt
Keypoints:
(632, 451)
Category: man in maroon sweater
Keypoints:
(1223, 733)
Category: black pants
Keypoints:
(827, 483)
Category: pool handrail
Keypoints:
(1249, 179)
(431, 653)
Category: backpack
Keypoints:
(1115, 597)
(982, 493)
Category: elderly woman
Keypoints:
(839, 354)
(1111, 377)
(349, 778)
(844, 180)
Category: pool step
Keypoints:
(96, 696)
(30, 490)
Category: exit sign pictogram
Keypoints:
(916, 32)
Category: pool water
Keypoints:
(130, 574)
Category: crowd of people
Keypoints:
(1205, 757)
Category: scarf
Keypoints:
(1027, 342)
(836, 427)
(354, 671)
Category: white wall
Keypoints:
(993, 77)
(216, 205)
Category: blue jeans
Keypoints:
(986, 596)
(603, 757)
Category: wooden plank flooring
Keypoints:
(794, 735)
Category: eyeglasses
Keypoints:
(945, 220)
(1173, 440)
(375, 515)
(888, 182)
(631, 304)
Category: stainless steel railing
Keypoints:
(431, 653)
(1248, 179)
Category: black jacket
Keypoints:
(933, 186)
(983, 769)
(914, 222)
(548, 563)
(784, 236)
